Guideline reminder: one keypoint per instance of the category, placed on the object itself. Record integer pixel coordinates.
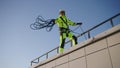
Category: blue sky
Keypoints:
(19, 44)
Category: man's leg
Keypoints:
(62, 42)
(73, 38)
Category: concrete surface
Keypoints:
(101, 51)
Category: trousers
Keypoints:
(63, 36)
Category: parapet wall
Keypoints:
(101, 51)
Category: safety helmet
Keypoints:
(61, 11)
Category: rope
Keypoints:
(41, 23)
(75, 29)
(79, 26)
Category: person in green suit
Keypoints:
(63, 23)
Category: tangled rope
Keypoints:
(41, 23)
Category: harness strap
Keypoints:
(64, 22)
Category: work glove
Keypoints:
(53, 20)
(79, 23)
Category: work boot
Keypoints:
(61, 50)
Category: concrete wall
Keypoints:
(101, 51)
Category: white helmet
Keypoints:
(61, 11)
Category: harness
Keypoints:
(62, 29)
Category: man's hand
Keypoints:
(79, 23)
(53, 20)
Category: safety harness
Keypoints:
(64, 30)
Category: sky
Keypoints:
(19, 44)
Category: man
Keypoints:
(63, 23)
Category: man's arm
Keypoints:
(73, 23)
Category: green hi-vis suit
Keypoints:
(63, 24)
